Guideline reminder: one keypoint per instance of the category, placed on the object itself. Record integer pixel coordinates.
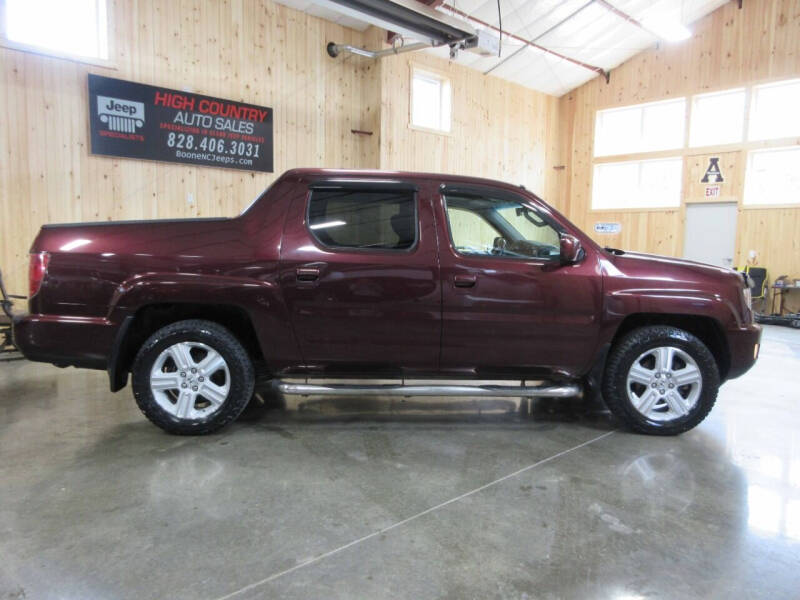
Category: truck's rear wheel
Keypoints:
(660, 380)
(192, 377)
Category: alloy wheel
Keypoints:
(190, 380)
(664, 383)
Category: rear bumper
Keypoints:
(744, 346)
(65, 341)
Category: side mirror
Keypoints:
(571, 251)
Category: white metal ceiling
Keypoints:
(593, 35)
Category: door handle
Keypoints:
(464, 281)
(307, 273)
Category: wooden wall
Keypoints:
(730, 48)
(253, 51)
(257, 52)
(499, 130)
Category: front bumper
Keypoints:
(64, 341)
(744, 345)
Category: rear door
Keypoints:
(509, 306)
(360, 275)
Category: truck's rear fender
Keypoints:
(253, 309)
(89, 261)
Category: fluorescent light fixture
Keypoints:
(670, 31)
(328, 224)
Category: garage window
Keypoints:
(717, 118)
(772, 177)
(640, 128)
(774, 111)
(74, 28)
(430, 101)
(363, 220)
(638, 184)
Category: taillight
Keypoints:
(36, 271)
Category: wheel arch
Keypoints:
(707, 329)
(137, 327)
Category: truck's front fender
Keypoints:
(622, 303)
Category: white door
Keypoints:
(710, 234)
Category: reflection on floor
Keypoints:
(386, 499)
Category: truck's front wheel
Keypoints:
(660, 380)
(192, 377)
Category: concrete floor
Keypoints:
(95, 502)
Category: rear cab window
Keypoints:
(364, 219)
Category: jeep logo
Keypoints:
(114, 106)
(120, 115)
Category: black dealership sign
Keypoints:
(143, 121)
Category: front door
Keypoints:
(509, 306)
(360, 275)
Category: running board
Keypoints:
(493, 391)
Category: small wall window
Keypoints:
(773, 177)
(430, 101)
(364, 220)
(499, 228)
(774, 112)
(638, 184)
(640, 128)
(74, 28)
(717, 118)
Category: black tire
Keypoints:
(219, 339)
(633, 345)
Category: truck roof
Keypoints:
(313, 173)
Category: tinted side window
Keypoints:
(363, 219)
(481, 226)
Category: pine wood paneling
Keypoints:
(499, 130)
(729, 48)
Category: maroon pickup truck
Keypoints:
(435, 282)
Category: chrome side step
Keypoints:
(568, 390)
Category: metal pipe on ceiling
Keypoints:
(335, 49)
(574, 61)
(408, 17)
